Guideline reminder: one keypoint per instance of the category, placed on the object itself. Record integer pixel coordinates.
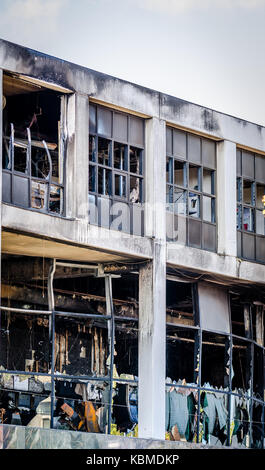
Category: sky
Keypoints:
(210, 52)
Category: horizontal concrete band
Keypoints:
(20, 437)
(102, 245)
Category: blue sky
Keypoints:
(210, 52)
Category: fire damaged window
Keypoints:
(190, 190)
(116, 176)
(215, 365)
(250, 206)
(180, 303)
(33, 146)
(69, 347)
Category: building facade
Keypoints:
(133, 259)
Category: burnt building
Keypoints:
(132, 264)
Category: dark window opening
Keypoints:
(237, 316)
(120, 185)
(24, 342)
(258, 425)
(20, 159)
(241, 365)
(135, 160)
(33, 146)
(180, 344)
(104, 152)
(258, 376)
(104, 182)
(120, 156)
(179, 301)
(126, 349)
(214, 360)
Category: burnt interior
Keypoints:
(179, 303)
(32, 155)
(180, 344)
(81, 345)
(241, 364)
(214, 360)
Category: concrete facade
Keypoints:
(71, 237)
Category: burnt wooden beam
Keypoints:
(39, 297)
(23, 269)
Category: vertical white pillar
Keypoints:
(1, 130)
(155, 181)
(152, 291)
(226, 198)
(77, 156)
(152, 346)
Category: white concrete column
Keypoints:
(152, 290)
(155, 181)
(226, 198)
(77, 156)
(152, 346)
(1, 130)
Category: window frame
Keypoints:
(201, 193)
(243, 235)
(11, 177)
(231, 341)
(125, 172)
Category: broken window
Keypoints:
(81, 406)
(239, 316)
(81, 347)
(241, 373)
(220, 384)
(258, 373)
(33, 146)
(180, 173)
(181, 412)
(258, 425)
(25, 400)
(190, 170)
(27, 334)
(250, 217)
(215, 360)
(180, 303)
(181, 343)
(240, 422)
(86, 348)
(120, 156)
(125, 409)
(116, 157)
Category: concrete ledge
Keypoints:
(212, 263)
(20, 437)
(75, 231)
